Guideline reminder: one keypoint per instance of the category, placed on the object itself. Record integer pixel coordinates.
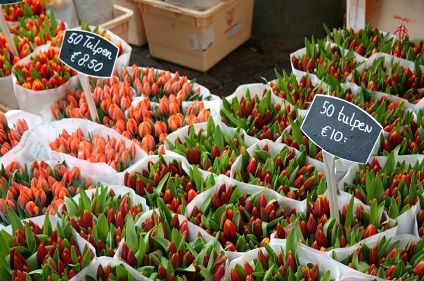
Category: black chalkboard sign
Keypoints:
(88, 53)
(341, 128)
(9, 2)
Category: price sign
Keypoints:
(9, 2)
(341, 128)
(88, 53)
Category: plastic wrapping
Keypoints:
(387, 60)
(39, 139)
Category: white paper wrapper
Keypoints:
(274, 148)
(91, 270)
(7, 94)
(270, 194)
(204, 92)
(193, 232)
(40, 138)
(346, 271)
(34, 101)
(301, 52)
(255, 89)
(416, 227)
(304, 253)
(387, 60)
(81, 243)
(406, 220)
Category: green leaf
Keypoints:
(130, 233)
(291, 244)
(71, 206)
(14, 220)
(161, 184)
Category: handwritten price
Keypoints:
(334, 134)
(85, 60)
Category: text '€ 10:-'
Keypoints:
(88, 53)
(341, 128)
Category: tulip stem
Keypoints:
(331, 185)
(87, 90)
(5, 28)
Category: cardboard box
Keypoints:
(196, 39)
(400, 17)
(137, 34)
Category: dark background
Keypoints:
(279, 28)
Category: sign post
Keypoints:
(343, 130)
(5, 27)
(90, 55)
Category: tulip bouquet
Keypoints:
(295, 138)
(406, 49)
(396, 184)
(406, 137)
(10, 137)
(95, 148)
(26, 9)
(156, 84)
(165, 177)
(289, 174)
(276, 262)
(365, 42)
(111, 97)
(42, 252)
(38, 31)
(162, 248)
(323, 59)
(299, 94)
(7, 59)
(149, 126)
(388, 113)
(320, 231)
(212, 148)
(391, 78)
(101, 219)
(259, 116)
(242, 220)
(396, 258)
(43, 71)
(36, 189)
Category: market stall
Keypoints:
(118, 172)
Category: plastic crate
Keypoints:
(195, 39)
(137, 35)
(120, 22)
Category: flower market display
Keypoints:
(170, 182)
